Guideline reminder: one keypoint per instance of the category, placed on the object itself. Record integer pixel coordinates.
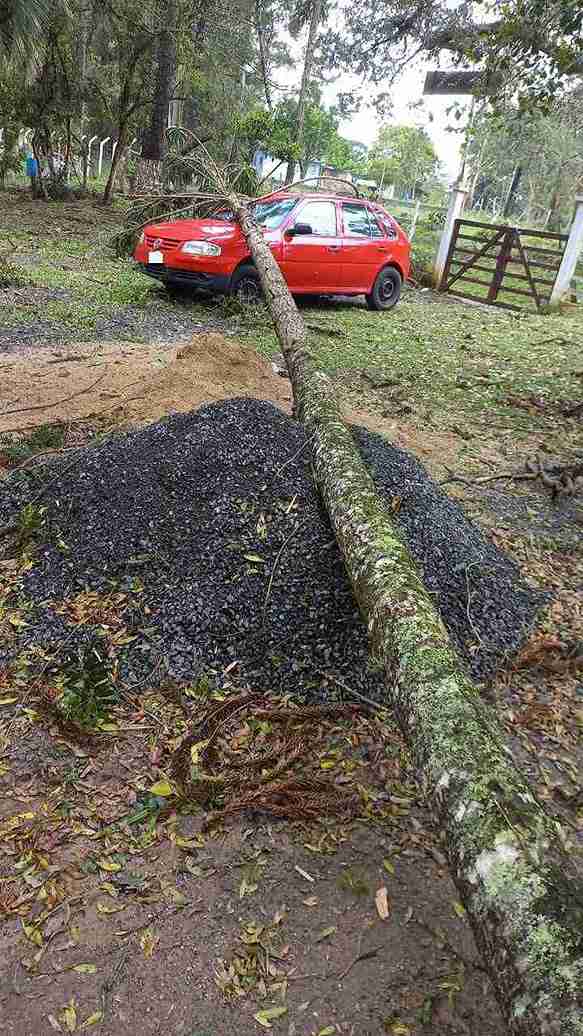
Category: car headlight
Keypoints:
(200, 248)
(141, 238)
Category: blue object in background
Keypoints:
(31, 167)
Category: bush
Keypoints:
(12, 276)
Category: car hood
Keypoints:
(196, 229)
(219, 231)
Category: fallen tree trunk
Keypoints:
(510, 862)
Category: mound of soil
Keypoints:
(132, 382)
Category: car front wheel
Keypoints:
(246, 286)
(386, 290)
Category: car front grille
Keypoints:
(161, 242)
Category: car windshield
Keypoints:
(268, 214)
(271, 214)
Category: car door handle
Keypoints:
(334, 248)
(382, 248)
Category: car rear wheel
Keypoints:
(386, 290)
(246, 286)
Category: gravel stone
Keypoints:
(170, 512)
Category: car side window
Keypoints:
(355, 218)
(376, 227)
(321, 216)
(385, 223)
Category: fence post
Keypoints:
(89, 149)
(571, 254)
(456, 204)
(414, 220)
(100, 162)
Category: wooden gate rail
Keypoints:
(514, 260)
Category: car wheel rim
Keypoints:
(387, 290)
(248, 290)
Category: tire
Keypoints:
(246, 286)
(386, 290)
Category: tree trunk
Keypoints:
(305, 84)
(117, 155)
(260, 30)
(512, 190)
(149, 166)
(520, 889)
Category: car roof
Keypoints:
(320, 195)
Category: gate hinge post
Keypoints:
(456, 204)
(571, 254)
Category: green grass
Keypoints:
(450, 361)
(448, 357)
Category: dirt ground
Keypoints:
(149, 928)
(159, 927)
(131, 383)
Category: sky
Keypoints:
(433, 117)
(364, 125)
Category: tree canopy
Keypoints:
(405, 157)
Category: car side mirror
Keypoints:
(299, 229)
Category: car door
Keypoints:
(311, 263)
(361, 255)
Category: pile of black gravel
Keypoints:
(194, 510)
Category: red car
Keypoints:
(325, 244)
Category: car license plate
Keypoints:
(155, 257)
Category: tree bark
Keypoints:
(149, 166)
(305, 84)
(521, 891)
(260, 30)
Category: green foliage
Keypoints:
(29, 525)
(88, 688)
(547, 147)
(526, 48)
(403, 156)
(46, 437)
(12, 276)
(270, 130)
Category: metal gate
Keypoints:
(514, 261)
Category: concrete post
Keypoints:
(100, 162)
(89, 147)
(414, 220)
(455, 208)
(571, 254)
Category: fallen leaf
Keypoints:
(196, 750)
(85, 969)
(269, 1015)
(7, 701)
(388, 867)
(108, 865)
(255, 558)
(162, 788)
(54, 1023)
(304, 874)
(328, 1031)
(69, 1016)
(148, 942)
(325, 933)
(32, 934)
(310, 901)
(93, 1019)
(382, 903)
(408, 915)
(459, 909)
(103, 909)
